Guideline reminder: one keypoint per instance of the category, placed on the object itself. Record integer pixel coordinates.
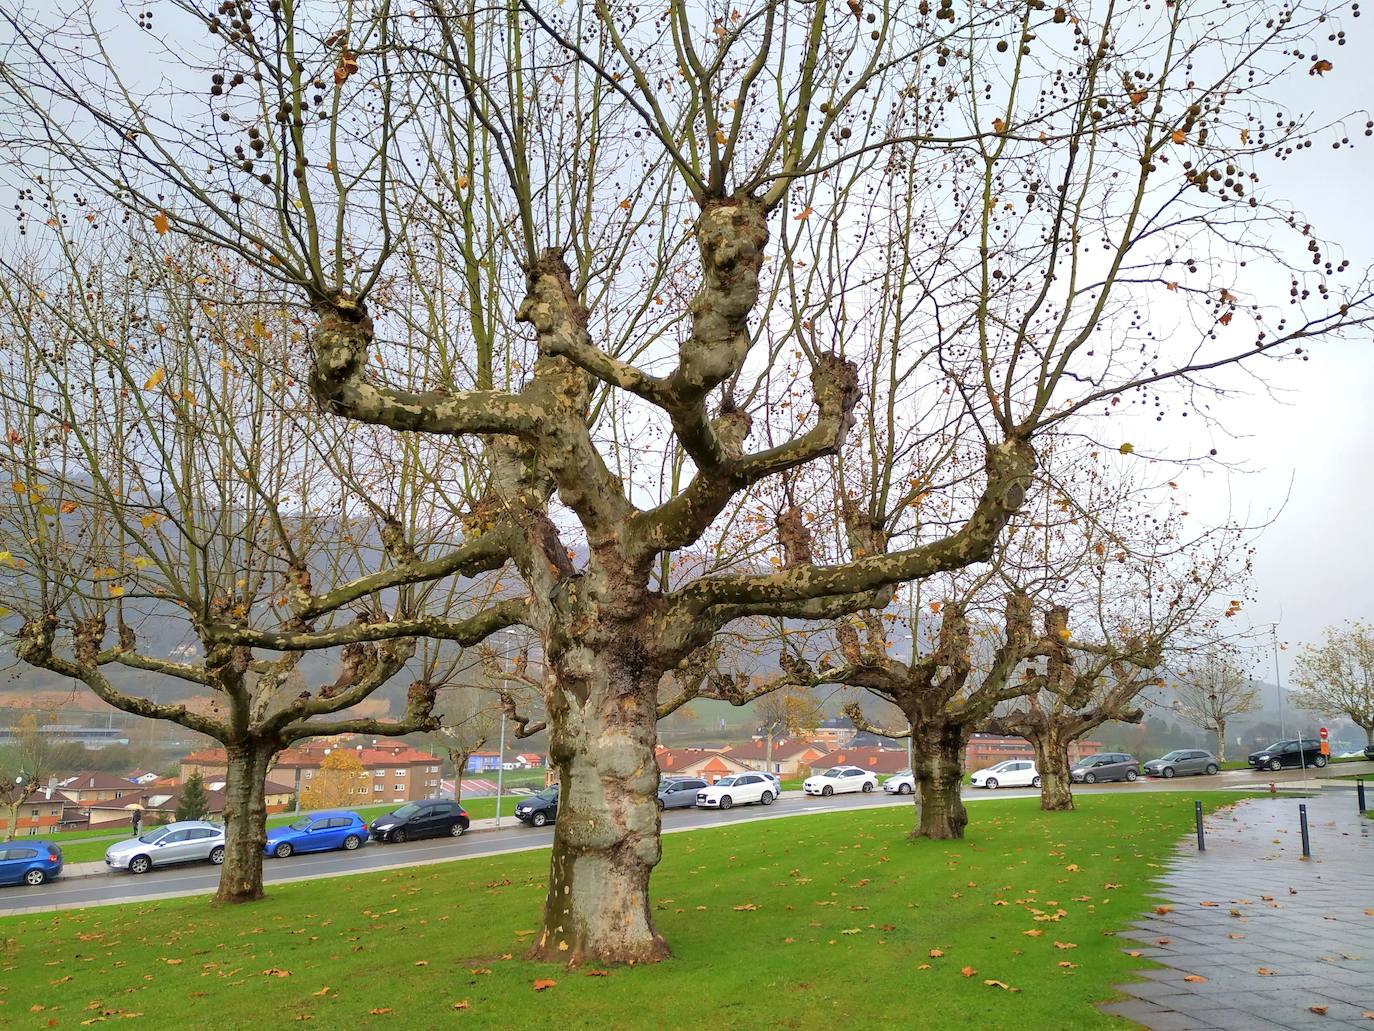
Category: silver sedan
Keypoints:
(188, 842)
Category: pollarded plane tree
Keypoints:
(1128, 591)
(670, 204)
(187, 536)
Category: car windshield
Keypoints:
(302, 824)
(834, 771)
(1274, 747)
(152, 837)
(725, 782)
(406, 811)
(548, 794)
(1176, 755)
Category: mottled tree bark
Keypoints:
(602, 735)
(1052, 763)
(245, 822)
(1221, 740)
(939, 772)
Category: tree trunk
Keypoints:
(1052, 764)
(939, 771)
(606, 839)
(245, 822)
(768, 755)
(1221, 741)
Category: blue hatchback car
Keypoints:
(318, 832)
(29, 862)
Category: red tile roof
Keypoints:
(879, 760)
(96, 780)
(783, 749)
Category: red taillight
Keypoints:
(54, 857)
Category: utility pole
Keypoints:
(501, 749)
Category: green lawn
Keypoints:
(811, 922)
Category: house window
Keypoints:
(379, 773)
(400, 773)
(119, 794)
(33, 813)
(400, 787)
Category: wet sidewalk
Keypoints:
(1254, 936)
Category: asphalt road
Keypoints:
(80, 892)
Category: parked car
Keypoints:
(319, 832)
(1105, 766)
(839, 779)
(679, 793)
(737, 789)
(29, 862)
(539, 809)
(1010, 773)
(1182, 761)
(777, 781)
(1297, 752)
(190, 841)
(431, 818)
(1369, 752)
(903, 783)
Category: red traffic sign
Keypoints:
(1323, 733)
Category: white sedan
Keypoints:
(839, 779)
(903, 783)
(739, 789)
(1013, 773)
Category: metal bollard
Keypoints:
(1359, 793)
(1197, 816)
(1306, 843)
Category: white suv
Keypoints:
(839, 779)
(738, 789)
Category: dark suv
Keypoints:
(1304, 752)
(539, 809)
(1105, 766)
(432, 818)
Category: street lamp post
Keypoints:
(501, 757)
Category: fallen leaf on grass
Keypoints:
(1032, 933)
(747, 907)
(1002, 985)
(936, 953)
(924, 966)
(276, 972)
(543, 983)
(422, 962)
(1065, 945)
(968, 971)
(479, 971)
(598, 973)
(322, 991)
(378, 1011)
(850, 930)
(1065, 963)
(173, 962)
(1195, 979)
(462, 1004)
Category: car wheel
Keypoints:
(726, 801)
(456, 831)
(992, 783)
(827, 791)
(1213, 769)
(1275, 765)
(140, 864)
(34, 878)
(766, 798)
(216, 856)
(1089, 778)
(1168, 772)
(1035, 782)
(399, 836)
(1319, 761)
(1131, 775)
(905, 789)
(539, 819)
(868, 786)
(351, 842)
(283, 850)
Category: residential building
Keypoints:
(835, 733)
(39, 812)
(986, 750)
(395, 772)
(142, 777)
(884, 761)
(790, 758)
(94, 786)
(483, 762)
(530, 761)
(710, 764)
(90, 738)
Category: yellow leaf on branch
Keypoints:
(152, 382)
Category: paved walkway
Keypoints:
(1257, 937)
